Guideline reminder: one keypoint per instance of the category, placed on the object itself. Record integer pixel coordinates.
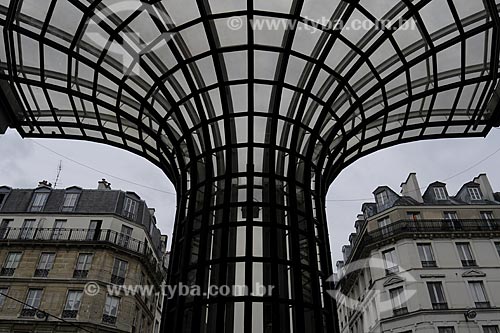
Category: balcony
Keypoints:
(400, 311)
(429, 264)
(440, 306)
(80, 274)
(28, 312)
(83, 236)
(69, 314)
(405, 228)
(469, 263)
(115, 279)
(482, 305)
(7, 271)
(107, 319)
(41, 272)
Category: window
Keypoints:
(73, 301)
(436, 292)
(39, 200)
(124, 238)
(488, 218)
(83, 265)
(28, 229)
(497, 245)
(33, 300)
(398, 301)
(119, 271)
(45, 264)
(475, 193)
(5, 228)
(69, 203)
(426, 255)
(3, 293)
(130, 208)
(58, 231)
(446, 329)
(414, 216)
(479, 294)
(94, 230)
(382, 224)
(3, 196)
(11, 263)
(391, 261)
(491, 329)
(440, 193)
(110, 310)
(465, 253)
(382, 199)
(451, 220)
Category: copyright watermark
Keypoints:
(92, 289)
(180, 290)
(387, 299)
(323, 24)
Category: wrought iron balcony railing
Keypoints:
(105, 236)
(402, 227)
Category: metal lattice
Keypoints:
(250, 122)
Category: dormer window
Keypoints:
(440, 193)
(38, 202)
(130, 208)
(4, 192)
(474, 193)
(70, 200)
(382, 198)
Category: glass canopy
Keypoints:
(254, 105)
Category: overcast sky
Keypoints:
(24, 162)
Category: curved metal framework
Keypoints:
(251, 107)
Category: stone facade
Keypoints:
(422, 264)
(55, 312)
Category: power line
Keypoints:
(100, 171)
(47, 314)
(421, 188)
(173, 193)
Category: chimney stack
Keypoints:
(485, 186)
(411, 189)
(103, 185)
(44, 183)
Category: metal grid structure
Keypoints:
(251, 122)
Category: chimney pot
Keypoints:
(103, 185)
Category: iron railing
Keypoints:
(423, 226)
(105, 236)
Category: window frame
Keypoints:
(434, 295)
(108, 305)
(89, 263)
(4, 290)
(467, 259)
(48, 263)
(130, 208)
(79, 293)
(40, 204)
(475, 297)
(73, 201)
(5, 265)
(440, 193)
(475, 193)
(400, 307)
(424, 260)
(392, 269)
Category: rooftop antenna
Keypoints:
(59, 169)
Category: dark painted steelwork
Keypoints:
(251, 125)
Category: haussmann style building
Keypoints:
(423, 263)
(53, 242)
